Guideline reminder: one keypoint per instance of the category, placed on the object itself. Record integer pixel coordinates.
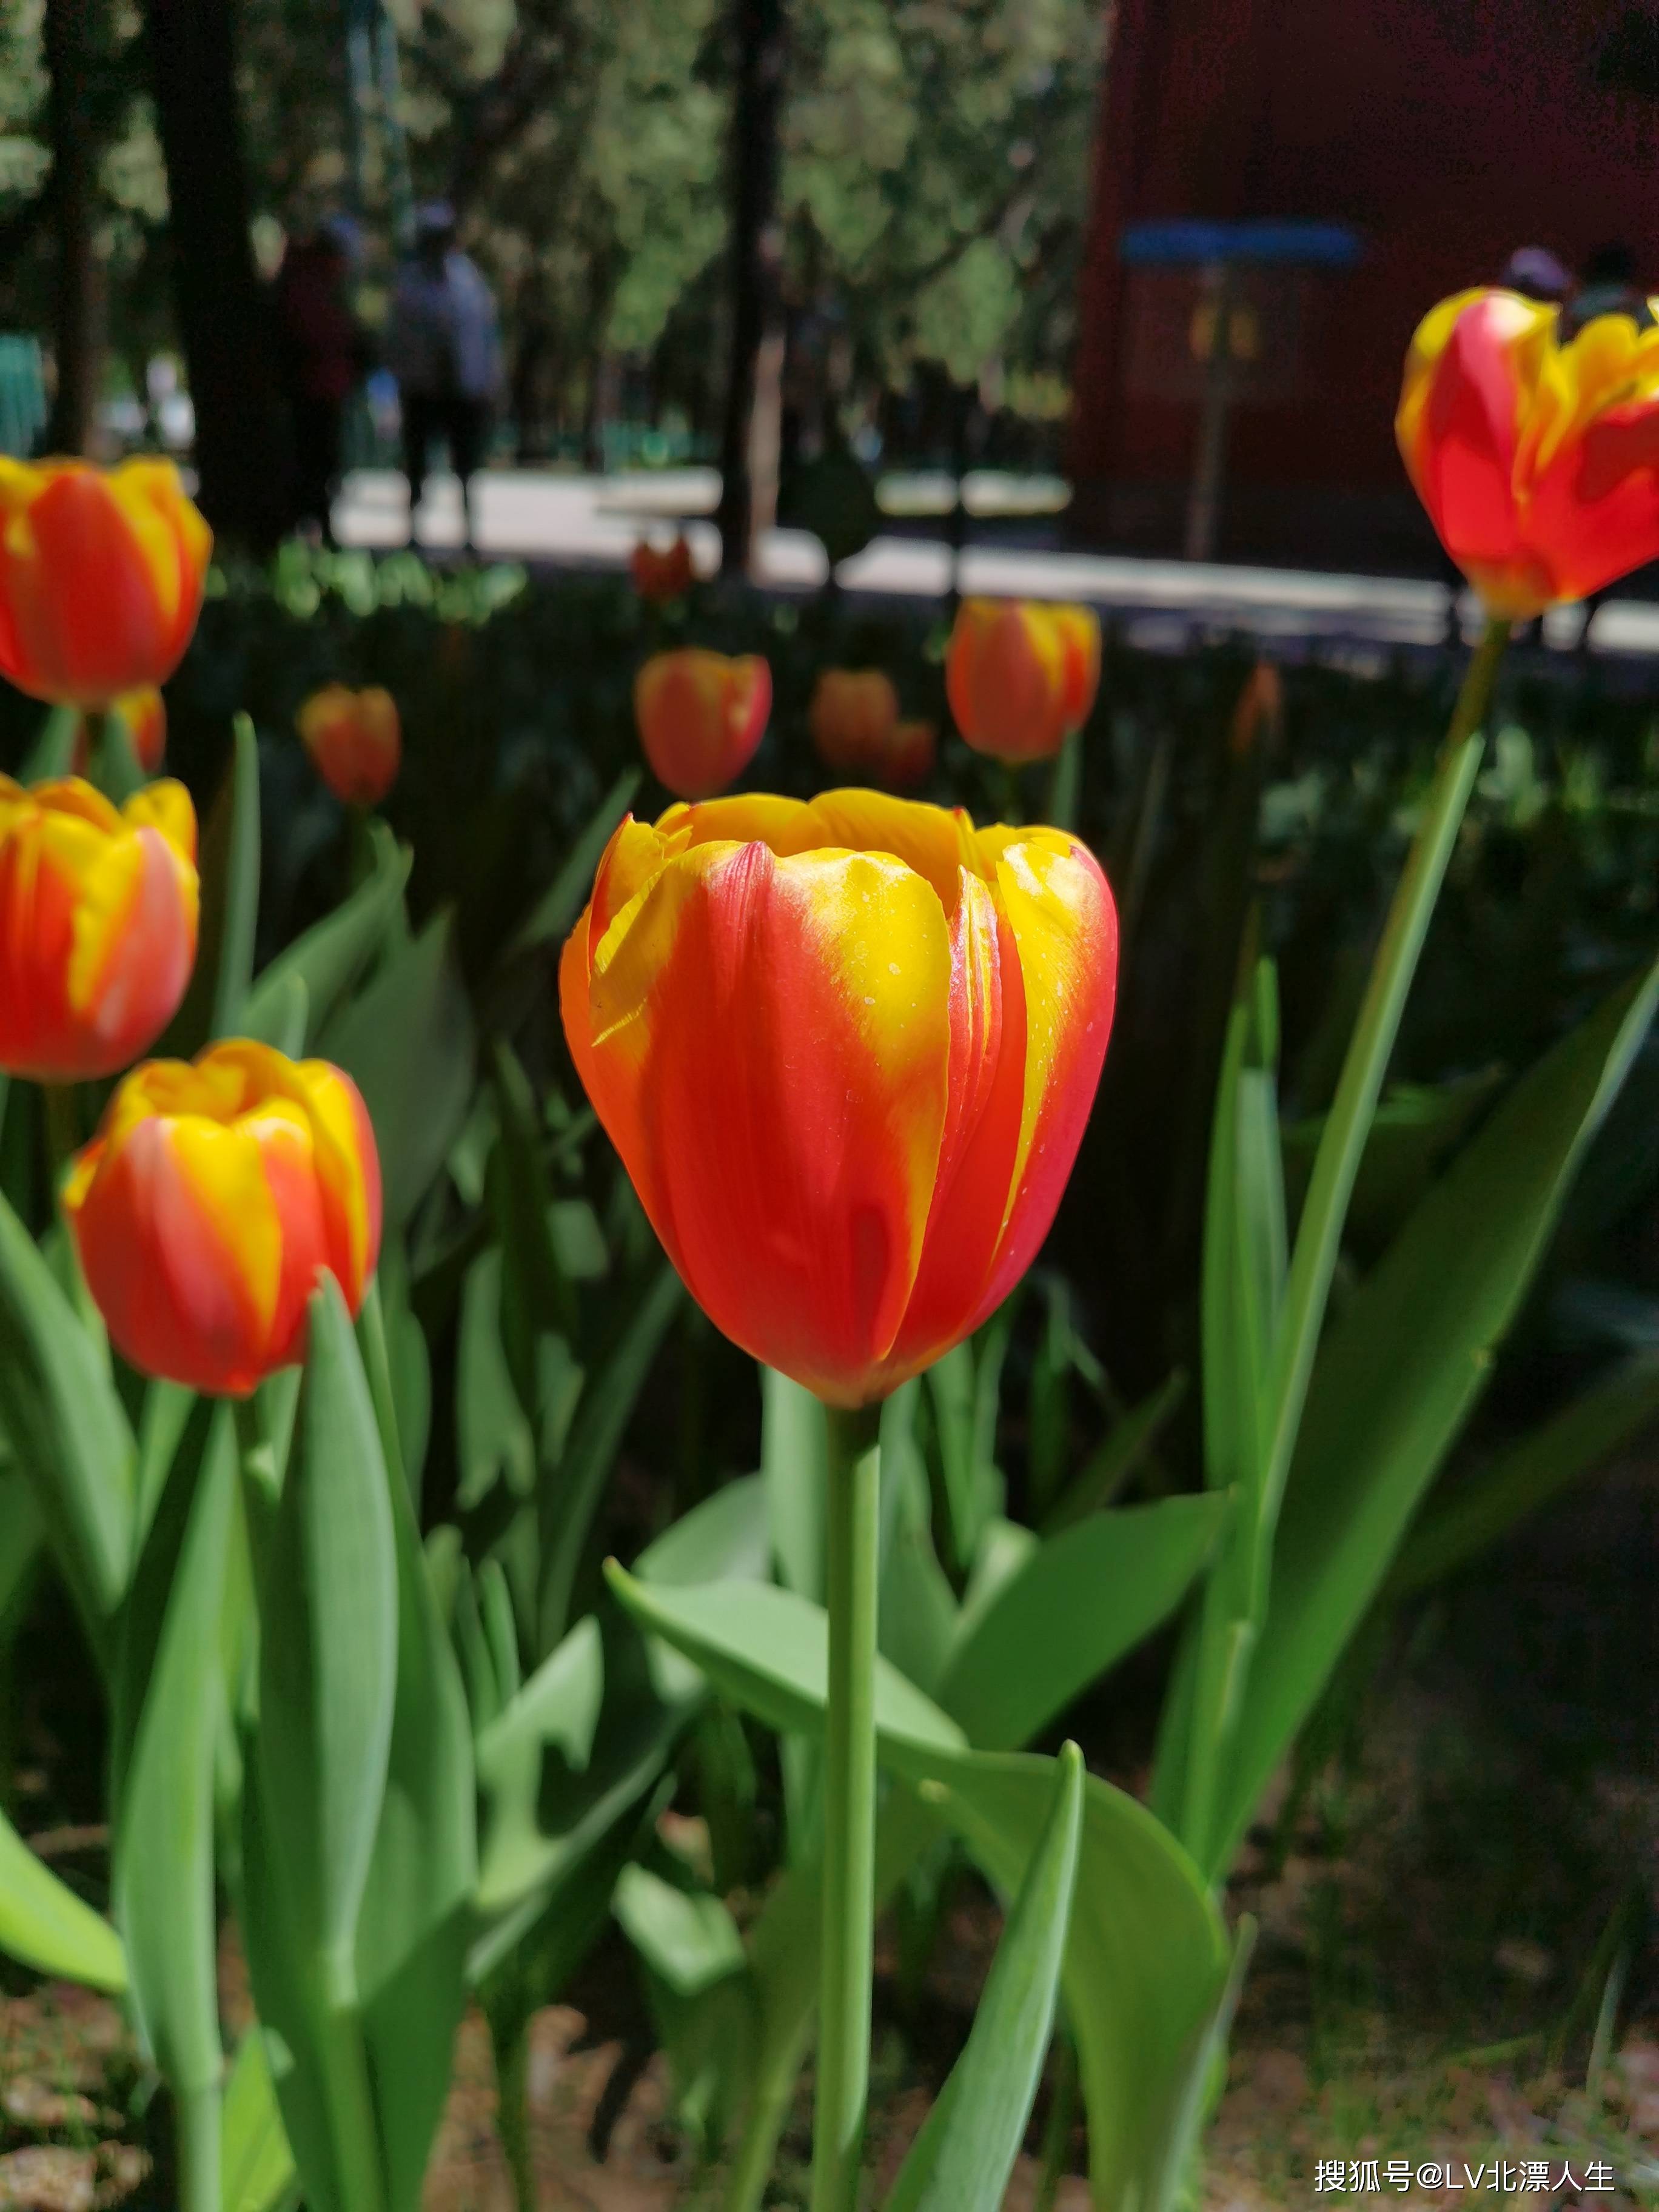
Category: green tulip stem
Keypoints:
(63, 1128)
(1066, 783)
(849, 1803)
(197, 2125)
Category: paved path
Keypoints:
(594, 521)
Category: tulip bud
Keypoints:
(846, 1051)
(662, 575)
(210, 1199)
(98, 915)
(1021, 675)
(700, 716)
(354, 741)
(851, 718)
(145, 715)
(101, 577)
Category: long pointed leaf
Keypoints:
(962, 2158)
(43, 1924)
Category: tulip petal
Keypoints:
(1064, 927)
(767, 1041)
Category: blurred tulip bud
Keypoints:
(354, 741)
(700, 716)
(1021, 675)
(662, 573)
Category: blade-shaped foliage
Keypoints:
(962, 2158)
(1401, 1369)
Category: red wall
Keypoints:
(1447, 132)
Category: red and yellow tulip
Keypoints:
(101, 577)
(1537, 459)
(1021, 675)
(855, 720)
(846, 1051)
(355, 740)
(212, 1196)
(701, 715)
(662, 573)
(98, 914)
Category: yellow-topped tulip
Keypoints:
(98, 917)
(1534, 445)
(1021, 675)
(212, 1196)
(101, 577)
(846, 1051)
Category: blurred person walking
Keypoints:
(321, 354)
(443, 345)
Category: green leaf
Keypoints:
(1147, 1955)
(20, 1540)
(67, 1430)
(407, 1043)
(559, 1704)
(330, 956)
(551, 918)
(1401, 1369)
(493, 1439)
(258, 2165)
(1079, 1604)
(1117, 1455)
(214, 1005)
(1147, 1958)
(768, 1651)
(162, 1875)
(416, 1918)
(283, 1018)
(536, 1293)
(724, 1534)
(961, 2159)
(795, 1465)
(571, 1498)
(328, 1586)
(690, 1941)
(1459, 1526)
(43, 1924)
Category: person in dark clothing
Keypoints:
(320, 356)
(443, 345)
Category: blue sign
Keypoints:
(1180, 242)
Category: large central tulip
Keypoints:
(98, 915)
(1538, 460)
(846, 1051)
(101, 577)
(212, 1194)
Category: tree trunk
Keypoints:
(222, 317)
(66, 29)
(748, 436)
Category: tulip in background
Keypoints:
(355, 740)
(662, 575)
(855, 726)
(98, 918)
(1021, 675)
(145, 715)
(1534, 455)
(701, 715)
(846, 1051)
(101, 574)
(211, 1197)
